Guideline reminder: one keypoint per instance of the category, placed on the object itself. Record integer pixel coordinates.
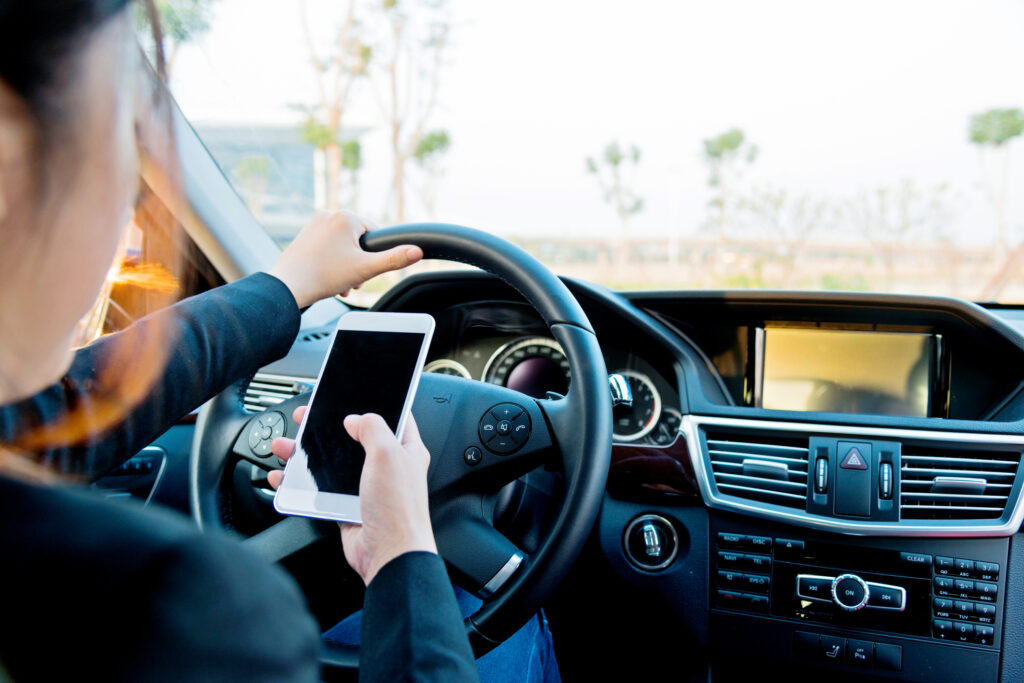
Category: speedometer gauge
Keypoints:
(636, 421)
(447, 366)
(533, 365)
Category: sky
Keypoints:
(838, 98)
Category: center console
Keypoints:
(909, 609)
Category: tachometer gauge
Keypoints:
(533, 365)
(447, 366)
(668, 426)
(636, 421)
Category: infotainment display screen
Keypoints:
(844, 371)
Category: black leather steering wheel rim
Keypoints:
(580, 425)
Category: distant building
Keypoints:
(277, 173)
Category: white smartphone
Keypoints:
(373, 366)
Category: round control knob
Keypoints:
(850, 592)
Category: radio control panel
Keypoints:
(902, 605)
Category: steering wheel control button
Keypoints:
(506, 411)
(811, 587)
(488, 427)
(849, 592)
(263, 430)
(504, 428)
(651, 543)
(473, 455)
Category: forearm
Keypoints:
(215, 338)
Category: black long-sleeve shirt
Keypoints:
(116, 592)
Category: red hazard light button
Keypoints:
(854, 460)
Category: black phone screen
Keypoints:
(366, 372)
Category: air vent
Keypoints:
(315, 336)
(956, 484)
(266, 390)
(762, 468)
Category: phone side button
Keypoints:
(473, 455)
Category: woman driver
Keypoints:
(102, 591)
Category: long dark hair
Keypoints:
(37, 40)
(40, 41)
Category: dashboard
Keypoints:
(829, 482)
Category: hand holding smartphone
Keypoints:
(373, 366)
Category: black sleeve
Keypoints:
(213, 612)
(103, 591)
(412, 627)
(216, 338)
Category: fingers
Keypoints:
(370, 430)
(298, 414)
(282, 447)
(274, 478)
(395, 258)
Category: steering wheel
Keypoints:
(453, 415)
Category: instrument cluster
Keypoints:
(536, 365)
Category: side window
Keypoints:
(157, 264)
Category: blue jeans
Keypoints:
(526, 657)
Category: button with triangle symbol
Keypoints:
(854, 460)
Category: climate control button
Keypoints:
(850, 592)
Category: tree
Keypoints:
(615, 171)
(726, 156)
(788, 220)
(431, 148)
(181, 21)
(413, 40)
(992, 131)
(890, 215)
(336, 73)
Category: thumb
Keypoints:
(393, 259)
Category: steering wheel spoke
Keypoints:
(479, 557)
(480, 435)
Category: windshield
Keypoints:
(797, 145)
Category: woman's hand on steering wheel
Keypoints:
(325, 258)
(393, 493)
